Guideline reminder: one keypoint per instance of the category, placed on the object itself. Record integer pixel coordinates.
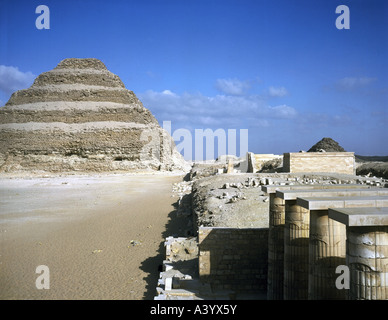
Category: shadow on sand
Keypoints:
(176, 226)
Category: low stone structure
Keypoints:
(257, 160)
(234, 259)
(335, 162)
(178, 278)
(235, 214)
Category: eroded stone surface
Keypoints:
(80, 117)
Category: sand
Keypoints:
(81, 228)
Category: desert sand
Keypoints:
(101, 236)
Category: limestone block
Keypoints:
(168, 284)
(339, 162)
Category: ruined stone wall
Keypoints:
(234, 259)
(336, 162)
(256, 160)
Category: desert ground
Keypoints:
(101, 236)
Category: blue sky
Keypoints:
(280, 69)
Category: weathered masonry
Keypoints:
(234, 259)
(314, 244)
(305, 246)
(338, 162)
(327, 241)
(294, 252)
(256, 161)
(276, 230)
(80, 117)
(366, 250)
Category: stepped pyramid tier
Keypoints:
(80, 117)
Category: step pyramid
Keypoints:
(80, 117)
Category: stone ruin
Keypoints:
(80, 117)
(275, 236)
(242, 220)
(250, 235)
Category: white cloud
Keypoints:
(12, 79)
(233, 87)
(197, 111)
(277, 92)
(168, 93)
(283, 111)
(354, 82)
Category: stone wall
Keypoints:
(234, 259)
(257, 160)
(336, 162)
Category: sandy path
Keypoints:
(81, 228)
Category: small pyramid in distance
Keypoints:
(328, 145)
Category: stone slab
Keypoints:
(273, 188)
(293, 194)
(353, 217)
(324, 203)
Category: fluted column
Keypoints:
(276, 248)
(327, 250)
(367, 258)
(296, 244)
